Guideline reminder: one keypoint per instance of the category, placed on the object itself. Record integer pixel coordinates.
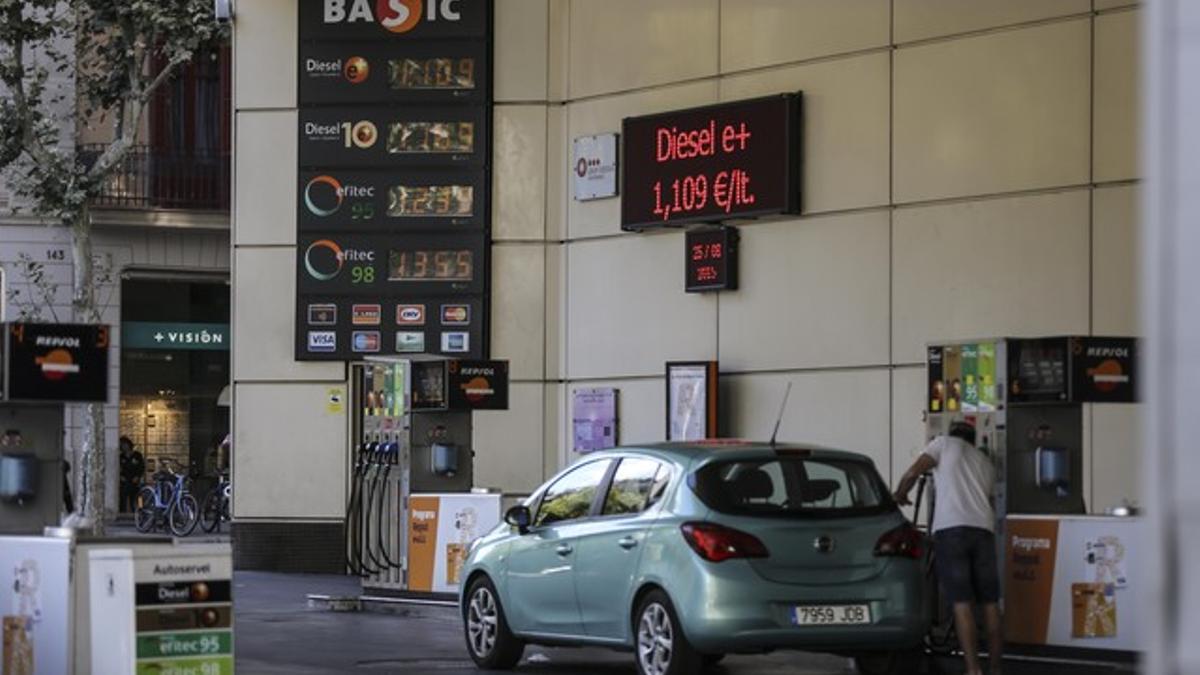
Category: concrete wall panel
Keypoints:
(519, 176)
(1116, 280)
(1016, 266)
(518, 308)
(813, 293)
(992, 113)
(290, 454)
(756, 33)
(627, 313)
(675, 40)
(1117, 63)
(924, 19)
(265, 163)
(265, 48)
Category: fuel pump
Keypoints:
(411, 435)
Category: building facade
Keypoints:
(968, 172)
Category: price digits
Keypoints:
(728, 190)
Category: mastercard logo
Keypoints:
(57, 364)
(318, 201)
(323, 260)
(356, 70)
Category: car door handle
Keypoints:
(627, 542)
(564, 549)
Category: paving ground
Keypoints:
(277, 633)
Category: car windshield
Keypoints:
(786, 486)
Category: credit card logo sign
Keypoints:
(410, 342)
(322, 315)
(456, 315)
(365, 341)
(365, 315)
(453, 343)
(410, 315)
(322, 341)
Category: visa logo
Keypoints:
(322, 341)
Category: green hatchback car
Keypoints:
(684, 552)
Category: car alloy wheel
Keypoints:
(656, 639)
(481, 622)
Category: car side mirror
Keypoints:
(519, 517)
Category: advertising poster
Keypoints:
(937, 384)
(688, 405)
(1067, 582)
(441, 528)
(970, 378)
(986, 374)
(34, 605)
(594, 419)
(952, 357)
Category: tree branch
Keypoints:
(15, 81)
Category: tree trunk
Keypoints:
(93, 454)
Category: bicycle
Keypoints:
(167, 501)
(215, 509)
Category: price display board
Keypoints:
(394, 178)
(710, 260)
(711, 164)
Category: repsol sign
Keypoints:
(383, 19)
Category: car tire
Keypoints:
(898, 662)
(660, 647)
(491, 644)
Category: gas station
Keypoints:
(476, 241)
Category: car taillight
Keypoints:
(905, 541)
(716, 543)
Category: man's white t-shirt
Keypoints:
(964, 479)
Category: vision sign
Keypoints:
(710, 164)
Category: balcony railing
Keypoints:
(150, 178)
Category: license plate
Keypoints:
(831, 615)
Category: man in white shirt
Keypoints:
(964, 537)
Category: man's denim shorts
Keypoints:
(966, 564)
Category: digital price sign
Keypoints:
(710, 260)
(711, 164)
(393, 171)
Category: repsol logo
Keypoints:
(57, 341)
(1108, 352)
(397, 16)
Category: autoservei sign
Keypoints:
(178, 336)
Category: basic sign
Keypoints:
(733, 160)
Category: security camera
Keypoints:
(223, 10)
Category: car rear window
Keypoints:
(787, 486)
